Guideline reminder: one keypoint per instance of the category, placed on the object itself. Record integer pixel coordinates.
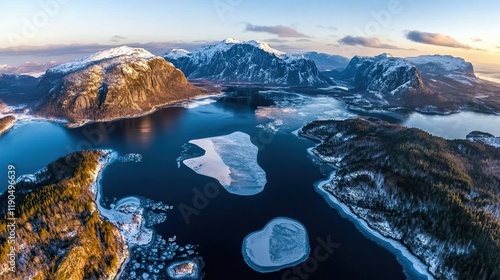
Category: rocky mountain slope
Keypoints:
(439, 198)
(115, 83)
(247, 62)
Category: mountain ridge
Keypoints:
(247, 61)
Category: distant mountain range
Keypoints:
(35, 69)
(247, 62)
(124, 82)
(430, 84)
(326, 62)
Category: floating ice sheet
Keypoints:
(282, 243)
(231, 160)
(293, 110)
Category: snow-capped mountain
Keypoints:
(248, 62)
(326, 61)
(385, 76)
(430, 84)
(114, 83)
(107, 59)
(443, 67)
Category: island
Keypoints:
(6, 123)
(185, 270)
(437, 198)
(282, 243)
(232, 160)
(58, 232)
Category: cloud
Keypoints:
(275, 40)
(436, 39)
(366, 42)
(329, 27)
(477, 40)
(157, 48)
(279, 30)
(117, 38)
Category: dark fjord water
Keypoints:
(221, 224)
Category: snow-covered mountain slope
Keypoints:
(442, 64)
(430, 84)
(247, 61)
(107, 58)
(115, 83)
(442, 67)
(326, 61)
(385, 76)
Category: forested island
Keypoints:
(58, 231)
(439, 198)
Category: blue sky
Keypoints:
(400, 27)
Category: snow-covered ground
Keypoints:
(231, 160)
(127, 214)
(282, 243)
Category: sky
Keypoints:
(61, 30)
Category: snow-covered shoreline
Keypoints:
(127, 214)
(413, 267)
(128, 207)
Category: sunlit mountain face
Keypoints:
(263, 140)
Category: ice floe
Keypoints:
(282, 243)
(130, 158)
(231, 160)
(293, 110)
(199, 102)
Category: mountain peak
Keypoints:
(123, 52)
(231, 41)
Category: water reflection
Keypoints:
(131, 132)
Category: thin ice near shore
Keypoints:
(127, 215)
(411, 264)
